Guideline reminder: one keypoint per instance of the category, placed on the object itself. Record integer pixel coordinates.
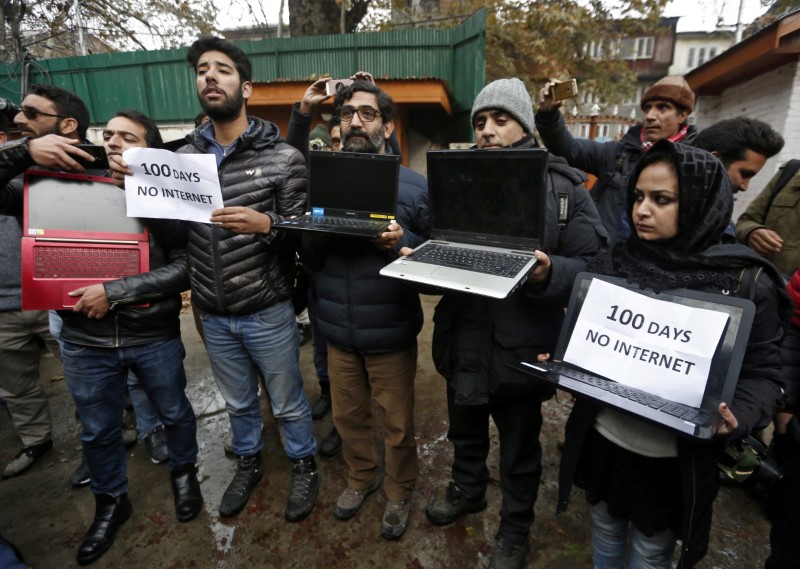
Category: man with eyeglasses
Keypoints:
(51, 120)
(371, 324)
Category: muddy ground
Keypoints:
(47, 519)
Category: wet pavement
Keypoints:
(47, 519)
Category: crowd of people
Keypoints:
(659, 215)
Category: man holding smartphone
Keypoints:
(666, 106)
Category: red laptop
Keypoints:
(76, 232)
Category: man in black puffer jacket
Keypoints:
(372, 323)
(241, 274)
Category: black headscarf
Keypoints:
(692, 258)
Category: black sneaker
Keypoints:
(25, 459)
(304, 490)
(321, 407)
(248, 475)
(508, 554)
(156, 445)
(81, 477)
(331, 445)
(451, 505)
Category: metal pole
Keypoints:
(739, 24)
(79, 20)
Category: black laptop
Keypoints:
(723, 373)
(349, 193)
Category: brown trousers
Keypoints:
(388, 379)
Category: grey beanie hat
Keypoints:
(509, 95)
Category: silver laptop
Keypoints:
(487, 218)
(693, 422)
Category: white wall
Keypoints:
(773, 97)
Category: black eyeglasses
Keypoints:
(31, 114)
(366, 114)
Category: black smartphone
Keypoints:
(99, 154)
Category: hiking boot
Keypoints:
(248, 475)
(321, 407)
(25, 459)
(508, 554)
(81, 477)
(451, 505)
(395, 519)
(304, 490)
(156, 445)
(351, 500)
(331, 445)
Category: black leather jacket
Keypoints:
(124, 325)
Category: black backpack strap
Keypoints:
(748, 277)
(787, 172)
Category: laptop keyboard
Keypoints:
(84, 262)
(346, 222)
(479, 261)
(678, 410)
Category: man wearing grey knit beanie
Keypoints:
(666, 106)
(474, 337)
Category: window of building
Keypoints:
(644, 47)
(712, 52)
(690, 62)
(701, 56)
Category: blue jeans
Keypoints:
(97, 378)
(239, 346)
(610, 540)
(147, 421)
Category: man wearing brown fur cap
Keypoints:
(665, 108)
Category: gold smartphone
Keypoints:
(564, 90)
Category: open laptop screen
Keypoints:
(343, 182)
(488, 192)
(71, 204)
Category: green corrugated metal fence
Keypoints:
(161, 83)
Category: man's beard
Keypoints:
(358, 140)
(227, 110)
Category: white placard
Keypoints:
(657, 346)
(172, 186)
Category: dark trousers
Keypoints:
(318, 342)
(784, 506)
(519, 422)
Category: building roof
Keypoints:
(770, 48)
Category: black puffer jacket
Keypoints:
(358, 309)
(241, 274)
(611, 162)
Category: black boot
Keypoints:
(109, 514)
(304, 490)
(186, 490)
(248, 475)
(321, 407)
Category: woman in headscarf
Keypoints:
(643, 483)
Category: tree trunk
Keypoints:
(316, 17)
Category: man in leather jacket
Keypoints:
(107, 334)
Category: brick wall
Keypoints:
(773, 97)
